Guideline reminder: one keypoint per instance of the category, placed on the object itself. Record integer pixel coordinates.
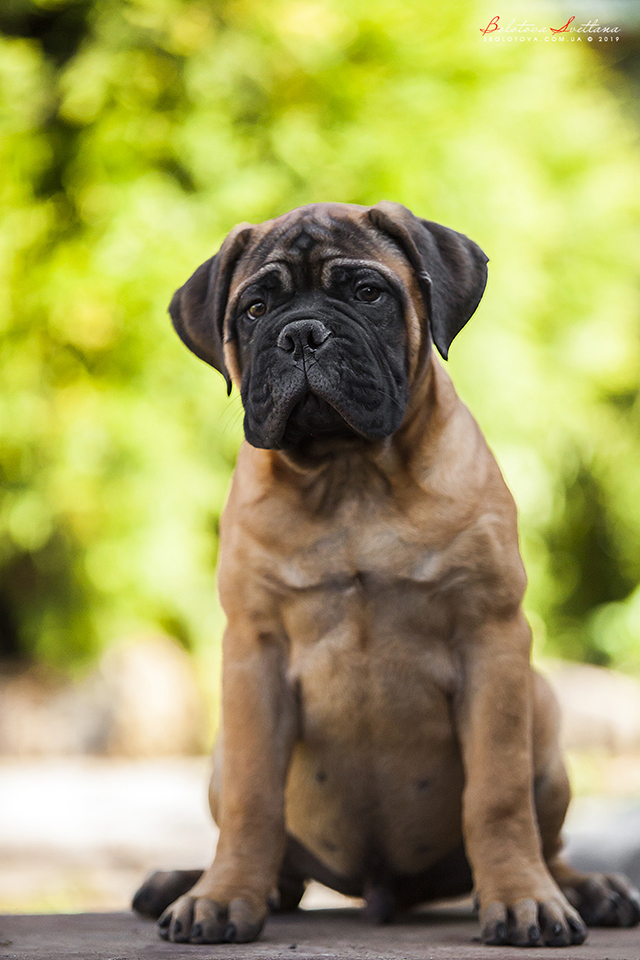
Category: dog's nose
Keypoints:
(301, 334)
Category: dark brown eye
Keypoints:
(257, 309)
(368, 293)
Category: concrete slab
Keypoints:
(444, 934)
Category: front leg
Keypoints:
(229, 902)
(520, 903)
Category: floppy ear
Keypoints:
(198, 307)
(451, 269)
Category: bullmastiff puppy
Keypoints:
(383, 731)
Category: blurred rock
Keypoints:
(600, 708)
(40, 715)
(142, 700)
(156, 704)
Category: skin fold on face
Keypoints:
(319, 323)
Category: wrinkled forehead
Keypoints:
(303, 249)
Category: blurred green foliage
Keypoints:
(136, 133)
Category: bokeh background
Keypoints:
(133, 135)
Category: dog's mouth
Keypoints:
(314, 417)
(288, 406)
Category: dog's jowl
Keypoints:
(383, 731)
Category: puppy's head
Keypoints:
(324, 318)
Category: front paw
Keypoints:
(218, 919)
(551, 922)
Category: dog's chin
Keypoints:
(313, 418)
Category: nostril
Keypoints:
(317, 335)
(301, 334)
(286, 342)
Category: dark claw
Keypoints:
(557, 935)
(621, 914)
(163, 925)
(610, 914)
(230, 933)
(578, 930)
(627, 912)
(499, 936)
(178, 932)
(533, 934)
(196, 931)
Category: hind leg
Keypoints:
(291, 883)
(160, 889)
(602, 900)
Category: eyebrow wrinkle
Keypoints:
(375, 265)
(272, 267)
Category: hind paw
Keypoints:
(604, 900)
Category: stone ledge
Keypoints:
(443, 934)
